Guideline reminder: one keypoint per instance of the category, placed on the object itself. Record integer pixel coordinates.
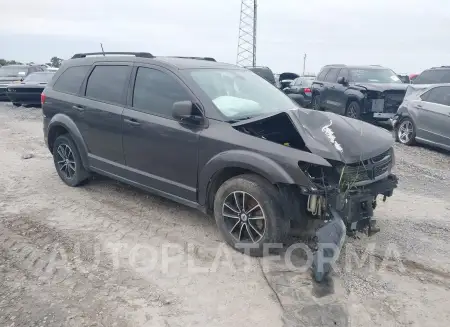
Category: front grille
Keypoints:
(393, 100)
(369, 169)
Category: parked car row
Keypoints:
(23, 84)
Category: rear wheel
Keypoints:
(68, 161)
(315, 102)
(353, 110)
(248, 214)
(405, 131)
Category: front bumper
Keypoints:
(356, 206)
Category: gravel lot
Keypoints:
(97, 255)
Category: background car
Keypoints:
(424, 116)
(264, 72)
(28, 92)
(300, 90)
(435, 75)
(285, 79)
(14, 74)
(371, 93)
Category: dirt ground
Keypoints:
(106, 254)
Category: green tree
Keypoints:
(56, 62)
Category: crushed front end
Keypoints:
(351, 189)
(342, 199)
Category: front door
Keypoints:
(328, 96)
(434, 116)
(160, 153)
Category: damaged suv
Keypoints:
(219, 138)
(371, 93)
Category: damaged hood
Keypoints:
(381, 87)
(340, 138)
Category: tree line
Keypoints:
(54, 62)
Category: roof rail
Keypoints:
(199, 58)
(137, 54)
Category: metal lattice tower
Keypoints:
(246, 53)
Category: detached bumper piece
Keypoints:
(330, 239)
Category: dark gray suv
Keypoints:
(219, 138)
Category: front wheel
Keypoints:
(353, 110)
(405, 132)
(248, 214)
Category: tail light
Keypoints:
(42, 98)
(307, 90)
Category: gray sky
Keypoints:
(405, 35)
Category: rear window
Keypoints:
(433, 76)
(107, 83)
(13, 71)
(71, 79)
(39, 77)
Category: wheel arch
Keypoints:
(62, 124)
(233, 163)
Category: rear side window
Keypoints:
(71, 79)
(439, 95)
(155, 92)
(322, 74)
(332, 75)
(433, 76)
(107, 83)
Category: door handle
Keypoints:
(78, 108)
(131, 121)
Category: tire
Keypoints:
(315, 102)
(71, 171)
(353, 110)
(263, 198)
(16, 104)
(409, 138)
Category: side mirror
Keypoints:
(186, 111)
(342, 80)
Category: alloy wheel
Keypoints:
(244, 217)
(351, 111)
(66, 161)
(405, 131)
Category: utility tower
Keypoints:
(246, 53)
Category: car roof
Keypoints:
(441, 67)
(175, 62)
(16, 66)
(355, 66)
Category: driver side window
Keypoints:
(155, 92)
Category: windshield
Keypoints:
(373, 76)
(433, 77)
(39, 77)
(241, 94)
(13, 71)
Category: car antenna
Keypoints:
(103, 51)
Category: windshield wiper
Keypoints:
(231, 121)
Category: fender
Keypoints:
(252, 161)
(66, 122)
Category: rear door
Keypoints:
(318, 87)
(434, 115)
(105, 91)
(328, 94)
